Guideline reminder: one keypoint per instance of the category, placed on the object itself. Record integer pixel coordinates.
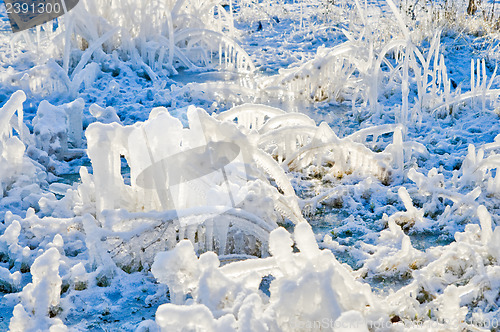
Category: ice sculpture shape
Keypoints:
(310, 285)
(15, 168)
(205, 179)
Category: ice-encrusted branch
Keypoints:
(307, 275)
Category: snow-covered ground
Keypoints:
(251, 166)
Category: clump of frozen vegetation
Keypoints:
(11, 147)
(455, 279)
(40, 298)
(57, 127)
(20, 176)
(154, 38)
(157, 36)
(209, 182)
(197, 200)
(372, 64)
(308, 286)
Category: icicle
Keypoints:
(472, 83)
(15, 103)
(478, 74)
(483, 85)
(486, 224)
(405, 89)
(220, 55)
(398, 149)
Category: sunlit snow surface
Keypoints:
(410, 204)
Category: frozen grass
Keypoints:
(156, 38)
(407, 158)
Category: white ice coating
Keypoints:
(191, 225)
(176, 34)
(16, 169)
(352, 71)
(40, 296)
(302, 146)
(296, 142)
(250, 116)
(9, 243)
(394, 254)
(464, 261)
(477, 169)
(104, 115)
(149, 37)
(50, 129)
(145, 146)
(208, 209)
(228, 296)
(328, 76)
(56, 128)
(74, 112)
(8, 121)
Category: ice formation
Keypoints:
(11, 147)
(41, 297)
(309, 287)
(477, 170)
(361, 69)
(57, 127)
(17, 171)
(196, 200)
(157, 39)
(455, 277)
(214, 205)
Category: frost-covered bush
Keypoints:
(194, 201)
(40, 298)
(11, 147)
(298, 144)
(455, 279)
(208, 182)
(157, 35)
(477, 170)
(154, 38)
(56, 127)
(476, 182)
(11, 251)
(20, 176)
(472, 16)
(378, 60)
(394, 256)
(160, 142)
(308, 287)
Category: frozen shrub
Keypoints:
(208, 181)
(104, 115)
(40, 298)
(11, 147)
(394, 255)
(309, 286)
(377, 63)
(155, 38)
(17, 171)
(50, 127)
(454, 278)
(55, 127)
